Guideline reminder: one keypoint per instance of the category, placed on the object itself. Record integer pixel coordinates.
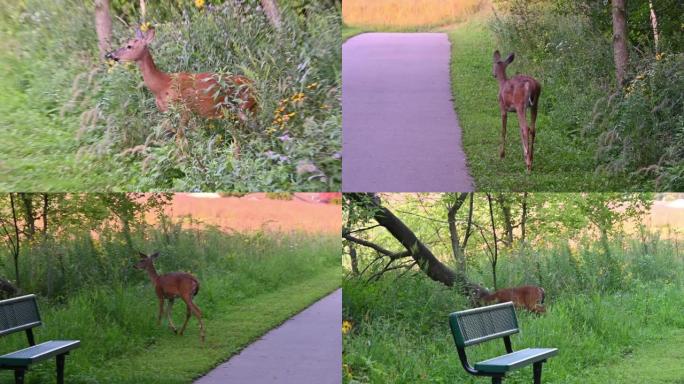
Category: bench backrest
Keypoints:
(474, 326)
(18, 314)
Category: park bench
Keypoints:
(474, 326)
(21, 314)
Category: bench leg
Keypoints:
(537, 370)
(19, 376)
(60, 369)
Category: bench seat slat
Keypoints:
(38, 352)
(511, 361)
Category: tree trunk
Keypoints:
(143, 10)
(523, 219)
(272, 12)
(456, 249)
(654, 25)
(354, 260)
(508, 220)
(15, 251)
(46, 207)
(620, 52)
(103, 26)
(427, 261)
(495, 255)
(29, 215)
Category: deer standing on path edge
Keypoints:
(529, 297)
(200, 92)
(169, 286)
(516, 95)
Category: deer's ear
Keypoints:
(139, 34)
(142, 255)
(510, 58)
(149, 36)
(154, 255)
(497, 56)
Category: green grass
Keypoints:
(630, 329)
(560, 164)
(249, 283)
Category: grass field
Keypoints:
(560, 164)
(250, 283)
(407, 13)
(400, 331)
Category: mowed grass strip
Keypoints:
(560, 164)
(179, 359)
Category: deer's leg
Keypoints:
(169, 315)
(161, 310)
(198, 314)
(533, 129)
(188, 313)
(524, 136)
(504, 120)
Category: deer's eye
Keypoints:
(129, 47)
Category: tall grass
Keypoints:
(62, 99)
(89, 291)
(407, 13)
(401, 335)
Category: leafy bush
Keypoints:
(635, 132)
(293, 141)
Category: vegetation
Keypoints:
(74, 123)
(633, 130)
(613, 286)
(81, 268)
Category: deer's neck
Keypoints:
(156, 80)
(152, 273)
(501, 78)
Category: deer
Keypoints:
(197, 92)
(170, 286)
(529, 297)
(517, 94)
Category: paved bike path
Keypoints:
(306, 349)
(400, 130)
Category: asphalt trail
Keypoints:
(306, 349)
(400, 130)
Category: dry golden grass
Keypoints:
(408, 13)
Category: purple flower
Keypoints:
(285, 138)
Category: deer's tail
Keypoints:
(528, 95)
(197, 286)
(543, 294)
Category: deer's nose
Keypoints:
(110, 55)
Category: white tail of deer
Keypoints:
(529, 297)
(516, 95)
(170, 286)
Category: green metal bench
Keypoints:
(21, 314)
(474, 326)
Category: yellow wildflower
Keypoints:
(312, 86)
(298, 97)
(144, 27)
(659, 56)
(199, 4)
(346, 327)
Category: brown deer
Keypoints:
(169, 286)
(199, 92)
(516, 95)
(529, 297)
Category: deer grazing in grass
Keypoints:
(529, 297)
(169, 286)
(199, 92)
(516, 95)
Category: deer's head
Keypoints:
(133, 49)
(145, 261)
(500, 66)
